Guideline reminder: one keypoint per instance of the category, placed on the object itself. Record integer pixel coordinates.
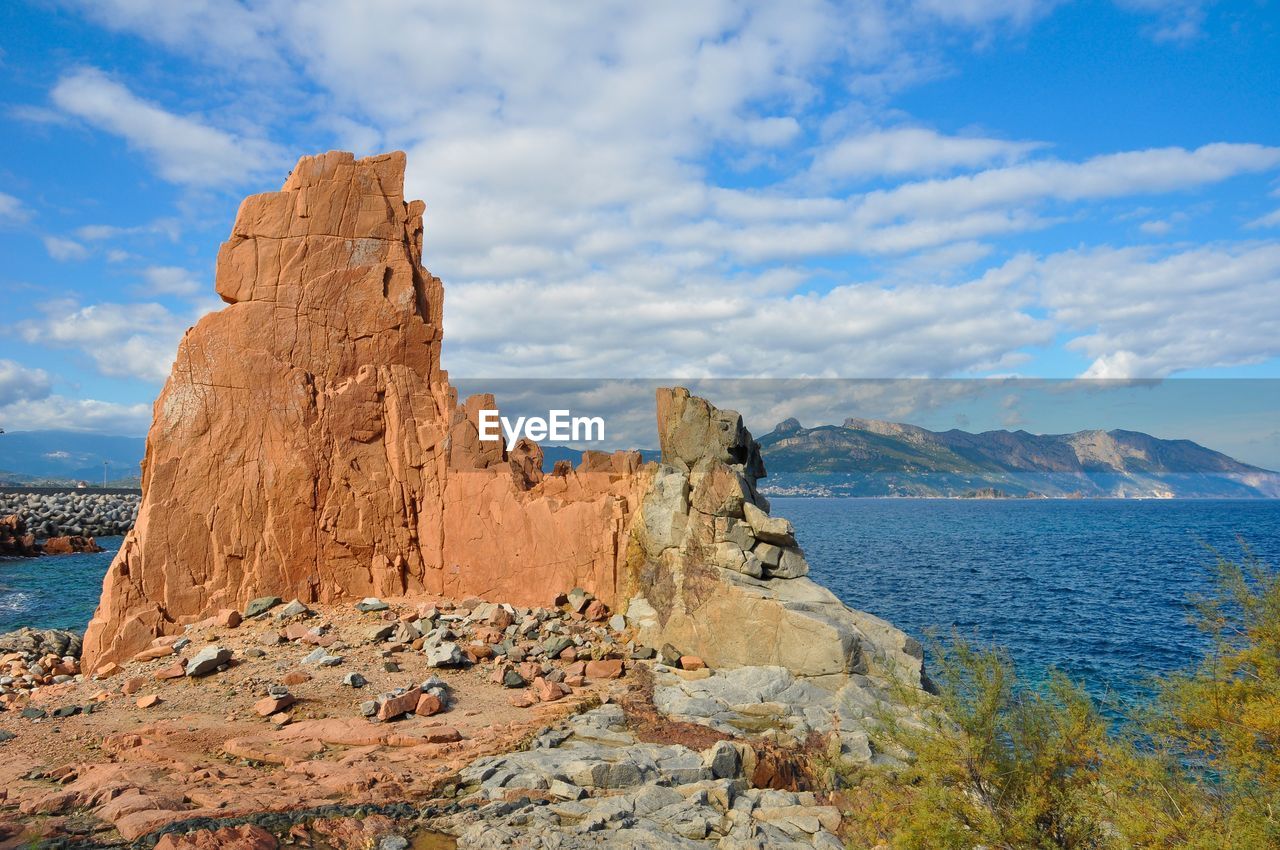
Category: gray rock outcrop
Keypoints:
(720, 577)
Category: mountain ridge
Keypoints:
(871, 457)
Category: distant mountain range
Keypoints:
(61, 457)
(862, 457)
(867, 457)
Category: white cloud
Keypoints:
(171, 280)
(185, 149)
(625, 174)
(1176, 21)
(64, 250)
(12, 210)
(122, 340)
(18, 383)
(1130, 173)
(1147, 312)
(977, 13)
(911, 151)
(229, 32)
(56, 412)
(166, 227)
(1271, 219)
(700, 327)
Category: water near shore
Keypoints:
(1097, 588)
(55, 591)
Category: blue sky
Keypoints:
(943, 188)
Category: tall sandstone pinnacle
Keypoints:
(308, 444)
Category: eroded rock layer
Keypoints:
(308, 444)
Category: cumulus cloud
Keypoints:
(27, 402)
(122, 340)
(1149, 312)
(588, 168)
(64, 250)
(701, 328)
(171, 280)
(18, 383)
(911, 151)
(1176, 21)
(1271, 219)
(57, 412)
(12, 210)
(185, 149)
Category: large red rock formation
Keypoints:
(308, 444)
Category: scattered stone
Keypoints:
(207, 661)
(370, 604)
(393, 705)
(723, 759)
(577, 599)
(293, 609)
(555, 645)
(610, 668)
(354, 680)
(296, 677)
(512, 679)
(176, 670)
(393, 842)
(618, 623)
(227, 618)
(428, 704)
(261, 605)
(148, 701)
(106, 671)
(321, 658)
(447, 654)
(274, 704)
(691, 662)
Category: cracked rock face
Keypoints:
(308, 445)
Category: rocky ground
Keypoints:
(417, 719)
(47, 515)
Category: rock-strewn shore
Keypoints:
(73, 514)
(463, 709)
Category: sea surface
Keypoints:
(1098, 589)
(53, 592)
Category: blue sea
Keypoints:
(54, 592)
(1098, 589)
